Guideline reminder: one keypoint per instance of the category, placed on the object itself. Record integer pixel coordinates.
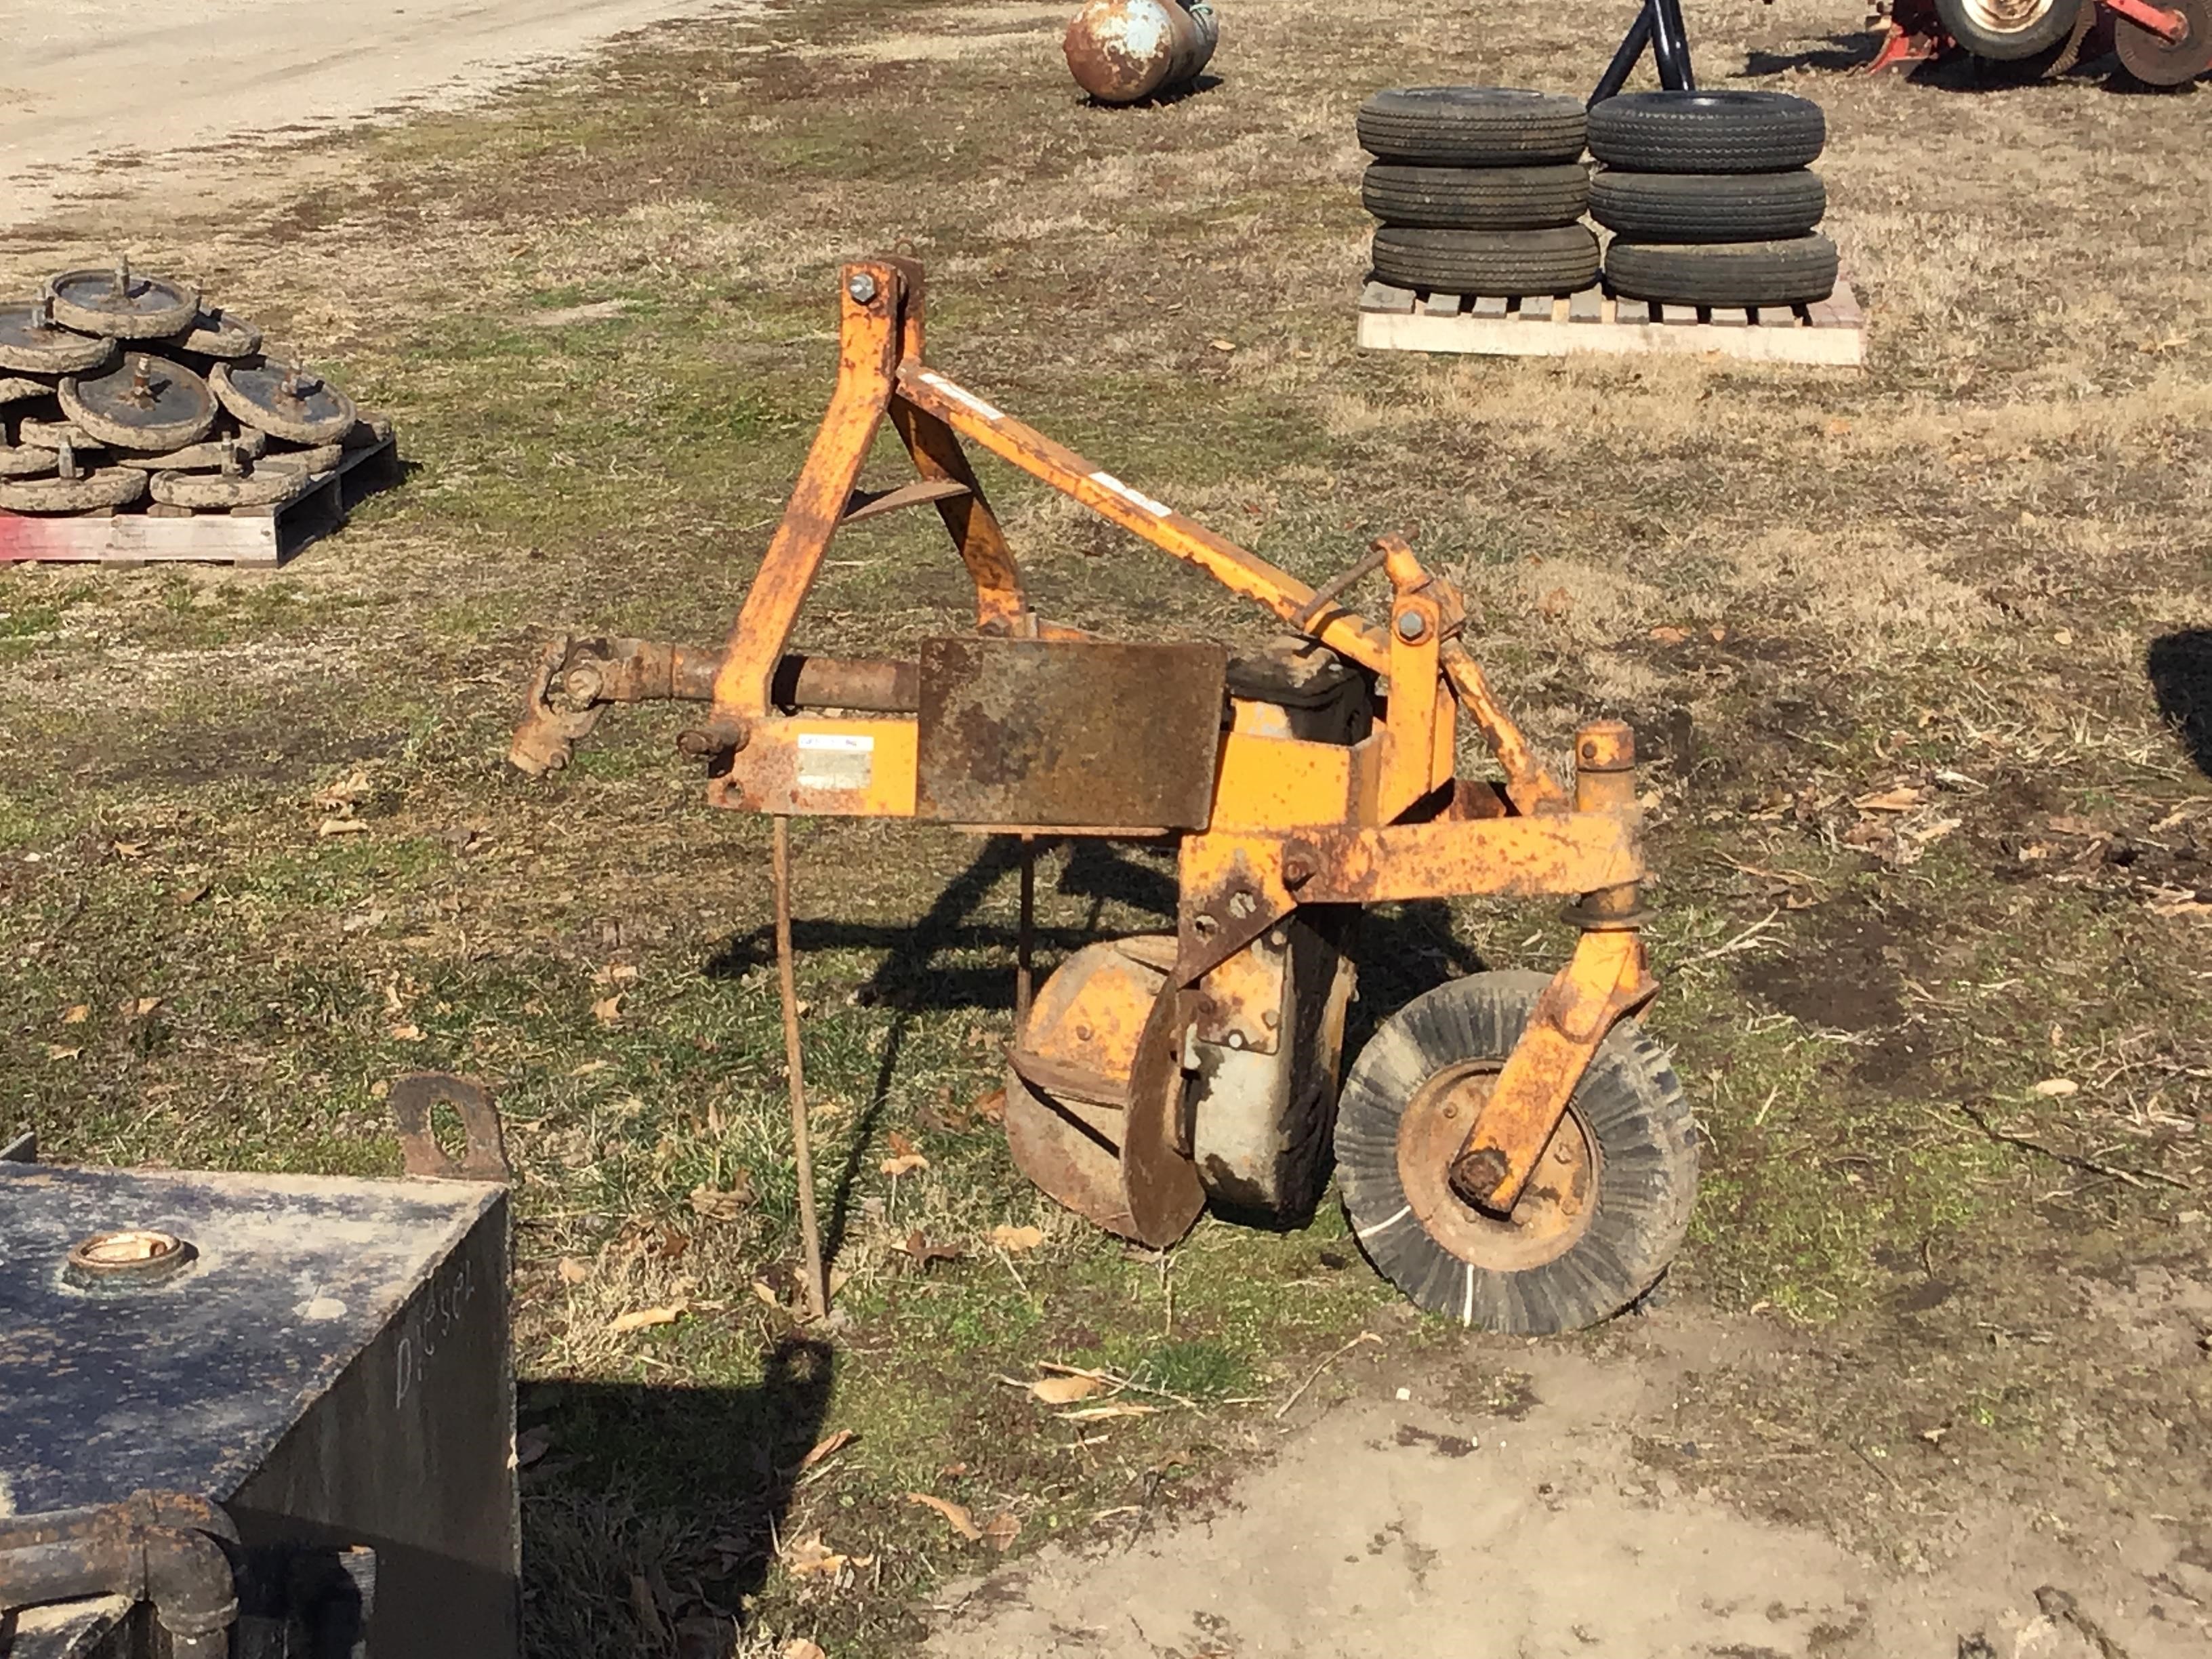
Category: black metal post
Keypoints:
(1670, 45)
(1659, 26)
(1624, 58)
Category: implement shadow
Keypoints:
(1403, 951)
(677, 1494)
(2179, 668)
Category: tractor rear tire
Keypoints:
(1471, 127)
(1476, 199)
(1795, 271)
(1713, 207)
(1563, 260)
(1602, 1218)
(2004, 33)
(1727, 131)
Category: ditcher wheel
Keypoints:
(1600, 1220)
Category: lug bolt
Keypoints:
(1411, 625)
(862, 287)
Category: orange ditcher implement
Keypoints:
(1511, 1151)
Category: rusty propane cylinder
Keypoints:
(1121, 51)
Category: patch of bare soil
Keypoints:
(1603, 1513)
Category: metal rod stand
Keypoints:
(817, 1283)
(1025, 937)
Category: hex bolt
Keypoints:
(1412, 626)
(1236, 1039)
(142, 381)
(861, 287)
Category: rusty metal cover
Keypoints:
(1066, 734)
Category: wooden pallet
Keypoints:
(1832, 331)
(242, 535)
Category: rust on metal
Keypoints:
(1604, 981)
(1122, 51)
(415, 1096)
(1068, 735)
(1562, 853)
(1553, 1210)
(129, 1258)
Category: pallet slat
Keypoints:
(252, 536)
(1832, 333)
(1381, 296)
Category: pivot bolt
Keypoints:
(861, 287)
(1412, 626)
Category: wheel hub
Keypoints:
(1554, 1209)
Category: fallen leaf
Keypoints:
(1867, 832)
(607, 1010)
(573, 1271)
(330, 826)
(127, 849)
(992, 1106)
(829, 1446)
(55, 1051)
(1015, 1240)
(1670, 636)
(1717, 634)
(723, 1204)
(811, 1557)
(190, 896)
(2065, 824)
(1937, 830)
(766, 1292)
(1002, 1528)
(530, 1445)
(590, 1065)
(137, 1007)
(1557, 603)
(1066, 1390)
(902, 1147)
(924, 1252)
(799, 1647)
(1111, 1408)
(406, 1033)
(1902, 799)
(950, 1470)
(2063, 636)
(956, 1515)
(906, 1164)
(76, 1013)
(2056, 1085)
(645, 1318)
(1222, 345)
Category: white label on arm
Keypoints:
(1134, 497)
(966, 399)
(836, 760)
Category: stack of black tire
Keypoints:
(1710, 199)
(1479, 190)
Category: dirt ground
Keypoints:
(1921, 662)
(99, 98)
